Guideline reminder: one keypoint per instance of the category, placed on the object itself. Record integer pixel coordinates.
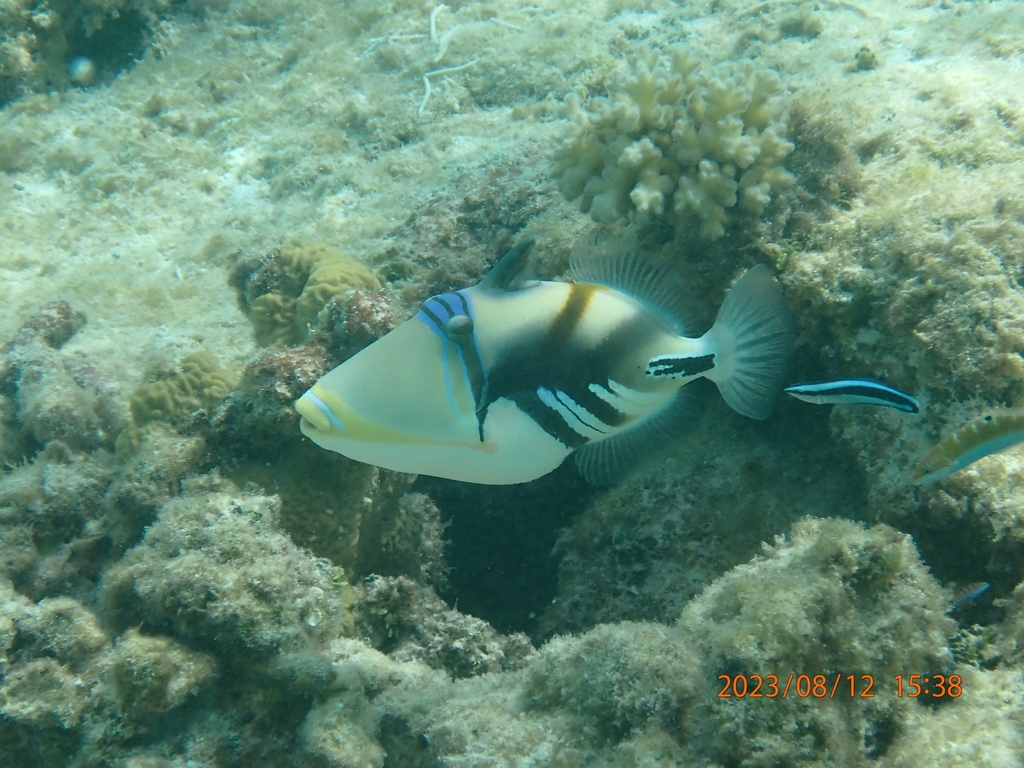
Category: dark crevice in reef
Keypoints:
(500, 542)
(114, 47)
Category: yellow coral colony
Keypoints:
(199, 383)
(677, 139)
(285, 294)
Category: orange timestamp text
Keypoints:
(829, 686)
(802, 686)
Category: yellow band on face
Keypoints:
(355, 427)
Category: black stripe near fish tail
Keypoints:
(677, 367)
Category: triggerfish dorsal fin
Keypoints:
(509, 273)
(616, 262)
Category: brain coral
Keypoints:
(199, 384)
(284, 290)
(680, 139)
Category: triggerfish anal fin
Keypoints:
(854, 392)
(985, 435)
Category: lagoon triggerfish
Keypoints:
(500, 382)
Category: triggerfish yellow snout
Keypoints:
(500, 382)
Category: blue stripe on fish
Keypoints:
(450, 317)
(854, 391)
(968, 593)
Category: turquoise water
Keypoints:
(204, 208)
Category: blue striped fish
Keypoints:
(500, 382)
(985, 435)
(854, 391)
(966, 594)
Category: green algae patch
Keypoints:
(284, 290)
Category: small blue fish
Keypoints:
(968, 593)
(854, 391)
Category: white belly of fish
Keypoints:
(515, 450)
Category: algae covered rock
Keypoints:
(618, 679)
(50, 655)
(642, 550)
(848, 597)
(64, 629)
(829, 599)
(52, 521)
(680, 139)
(151, 675)
(215, 569)
(43, 694)
(332, 733)
(984, 727)
(47, 395)
(410, 622)
(37, 39)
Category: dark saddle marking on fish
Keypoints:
(558, 364)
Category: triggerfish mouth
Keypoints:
(500, 382)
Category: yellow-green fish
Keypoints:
(500, 382)
(975, 440)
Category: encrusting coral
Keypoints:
(678, 138)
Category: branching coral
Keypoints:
(679, 139)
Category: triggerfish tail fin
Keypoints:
(753, 340)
